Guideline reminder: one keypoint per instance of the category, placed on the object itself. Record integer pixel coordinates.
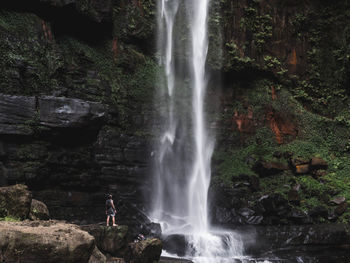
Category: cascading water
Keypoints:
(184, 150)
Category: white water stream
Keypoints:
(184, 150)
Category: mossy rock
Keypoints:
(15, 201)
(39, 211)
(146, 251)
(112, 240)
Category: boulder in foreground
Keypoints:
(44, 242)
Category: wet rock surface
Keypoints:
(14, 112)
(145, 251)
(174, 260)
(17, 112)
(119, 243)
(289, 244)
(175, 244)
(307, 240)
(230, 209)
(59, 112)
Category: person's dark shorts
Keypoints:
(110, 212)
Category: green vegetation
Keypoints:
(309, 104)
(135, 19)
(315, 136)
(321, 53)
(236, 60)
(259, 24)
(86, 7)
(107, 70)
(328, 36)
(98, 58)
(28, 61)
(9, 219)
(215, 23)
(309, 108)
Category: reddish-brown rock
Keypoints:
(269, 168)
(318, 163)
(302, 169)
(293, 196)
(341, 208)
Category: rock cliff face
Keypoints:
(284, 91)
(77, 80)
(76, 85)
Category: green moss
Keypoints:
(276, 184)
(338, 176)
(312, 187)
(232, 164)
(259, 24)
(309, 203)
(142, 81)
(328, 34)
(125, 80)
(135, 21)
(22, 23)
(29, 61)
(9, 219)
(235, 60)
(105, 84)
(86, 7)
(316, 136)
(215, 24)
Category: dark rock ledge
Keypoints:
(18, 114)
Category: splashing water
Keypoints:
(184, 150)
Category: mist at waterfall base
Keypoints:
(183, 152)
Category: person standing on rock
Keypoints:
(110, 210)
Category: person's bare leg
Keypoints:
(113, 219)
(108, 220)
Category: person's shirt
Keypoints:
(109, 204)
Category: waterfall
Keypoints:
(200, 174)
(184, 147)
